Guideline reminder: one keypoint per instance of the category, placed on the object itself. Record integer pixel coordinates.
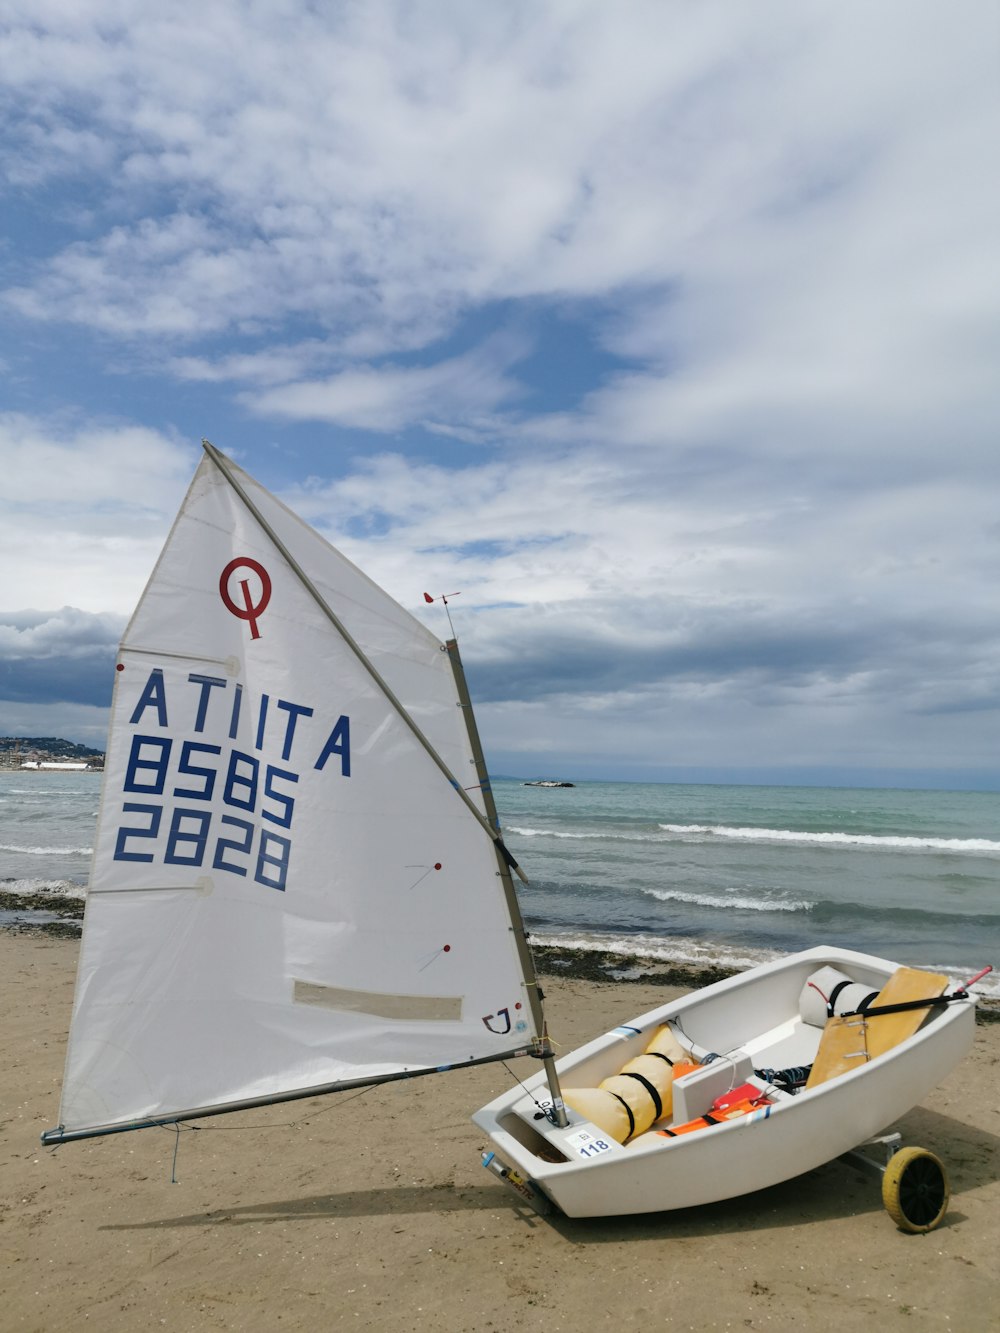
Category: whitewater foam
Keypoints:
(743, 904)
(61, 888)
(46, 851)
(659, 949)
(588, 835)
(887, 841)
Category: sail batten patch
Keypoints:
(425, 1008)
(231, 665)
(203, 886)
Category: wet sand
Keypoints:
(371, 1211)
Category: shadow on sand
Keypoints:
(838, 1189)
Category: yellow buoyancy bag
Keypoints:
(601, 1108)
(630, 1101)
(658, 1075)
(666, 1044)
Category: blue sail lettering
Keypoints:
(294, 711)
(338, 742)
(207, 683)
(153, 695)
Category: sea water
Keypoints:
(47, 823)
(724, 874)
(737, 874)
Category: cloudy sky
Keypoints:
(667, 333)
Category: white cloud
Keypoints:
(391, 397)
(276, 365)
(382, 167)
(67, 633)
(772, 523)
(84, 509)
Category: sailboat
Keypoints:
(300, 885)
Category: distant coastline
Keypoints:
(48, 754)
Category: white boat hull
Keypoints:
(756, 1012)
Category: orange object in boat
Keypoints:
(746, 1092)
(702, 1122)
(718, 1115)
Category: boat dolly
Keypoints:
(915, 1191)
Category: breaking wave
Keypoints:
(731, 901)
(726, 832)
(56, 888)
(587, 835)
(46, 851)
(893, 842)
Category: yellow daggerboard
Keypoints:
(853, 1040)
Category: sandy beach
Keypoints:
(371, 1211)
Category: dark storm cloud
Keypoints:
(64, 656)
(765, 654)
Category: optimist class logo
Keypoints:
(249, 610)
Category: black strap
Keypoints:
(706, 1119)
(660, 1056)
(832, 1001)
(628, 1112)
(657, 1104)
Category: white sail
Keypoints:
(287, 891)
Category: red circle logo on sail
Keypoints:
(249, 610)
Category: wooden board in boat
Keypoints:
(851, 1040)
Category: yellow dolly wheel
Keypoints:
(915, 1189)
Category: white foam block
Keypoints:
(694, 1093)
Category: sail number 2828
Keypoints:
(211, 812)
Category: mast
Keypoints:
(513, 906)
